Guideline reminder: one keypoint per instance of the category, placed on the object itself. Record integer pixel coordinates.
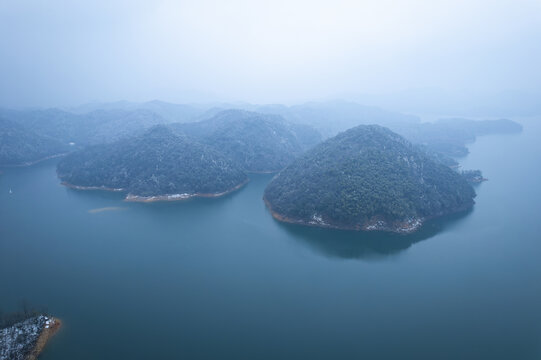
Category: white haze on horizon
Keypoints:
(66, 52)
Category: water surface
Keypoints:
(220, 279)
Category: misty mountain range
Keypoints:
(65, 130)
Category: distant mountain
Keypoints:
(367, 178)
(332, 117)
(21, 146)
(257, 142)
(157, 163)
(450, 136)
(99, 126)
(170, 112)
(103, 126)
(263, 138)
(53, 123)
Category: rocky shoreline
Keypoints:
(30, 163)
(179, 197)
(25, 340)
(404, 227)
(79, 187)
(154, 198)
(375, 224)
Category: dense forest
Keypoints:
(366, 178)
(99, 126)
(20, 145)
(258, 138)
(157, 162)
(257, 142)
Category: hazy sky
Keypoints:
(68, 52)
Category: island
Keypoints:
(158, 165)
(367, 178)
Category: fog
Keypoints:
(388, 53)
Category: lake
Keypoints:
(221, 279)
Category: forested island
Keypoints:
(157, 165)
(367, 178)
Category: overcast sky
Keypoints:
(69, 52)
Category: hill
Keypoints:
(21, 146)
(157, 165)
(96, 127)
(367, 178)
(257, 142)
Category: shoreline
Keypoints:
(34, 162)
(408, 227)
(90, 188)
(44, 338)
(180, 197)
(154, 198)
(267, 172)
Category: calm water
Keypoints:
(220, 279)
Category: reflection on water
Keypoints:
(345, 244)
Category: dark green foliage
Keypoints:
(155, 163)
(364, 172)
(440, 157)
(257, 142)
(19, 145)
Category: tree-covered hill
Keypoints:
(21, 146)
(155, 163)
(367, 178)
(257, 142)
(96, 127)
